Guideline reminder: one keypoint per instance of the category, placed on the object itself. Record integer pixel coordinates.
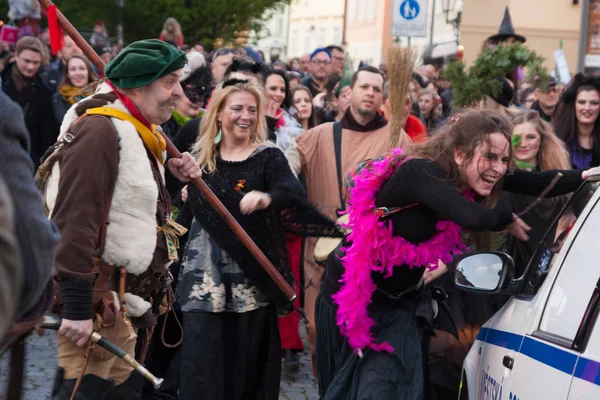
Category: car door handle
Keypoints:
(508, 362)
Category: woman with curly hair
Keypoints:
(406, 213)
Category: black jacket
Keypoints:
(308, 82)
(536, 107)
(36, 236)
(59, 108)
(36, 102)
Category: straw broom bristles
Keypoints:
(401, 63)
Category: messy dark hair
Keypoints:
(466, 134)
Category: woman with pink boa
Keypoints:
(406, 214)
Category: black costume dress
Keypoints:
(398, 303)
(471, 310)
(231, 347)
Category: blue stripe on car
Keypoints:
(554, 357)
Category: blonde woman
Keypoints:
(538, 149)
(171, 32)
(231, 347)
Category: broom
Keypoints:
(401, 63)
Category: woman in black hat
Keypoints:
(506, 34)
(576, 121)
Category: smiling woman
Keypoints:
(406, 212)
(576, 121)
(536, 148)
(229, 304)
(283, 128)
(77, 75)
(303, 106)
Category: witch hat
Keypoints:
(507, 30)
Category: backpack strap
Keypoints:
(337, 148)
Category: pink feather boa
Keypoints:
(374, 248)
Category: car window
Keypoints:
(579, 272)
(542, 261)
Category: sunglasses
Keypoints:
(223, 51)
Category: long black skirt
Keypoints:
(377, 375)
(230, 356)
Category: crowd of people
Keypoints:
(144, 258)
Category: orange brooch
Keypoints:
(240, 185)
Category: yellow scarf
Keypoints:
(72, 94)
(152, 138)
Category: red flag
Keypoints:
(57, 36)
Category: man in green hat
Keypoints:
(106, 193)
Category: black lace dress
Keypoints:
(231, 347)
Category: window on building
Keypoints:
(362, 4)
(337, 35)
(294, 45)
(278, 25)
(371, 10)
(352, 11)
(308, 42)
(322, 36)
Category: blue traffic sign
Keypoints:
(409, 9)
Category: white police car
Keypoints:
(545, 342)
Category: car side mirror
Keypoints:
(484, 272)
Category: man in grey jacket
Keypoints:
(35, 235)
(10, 262)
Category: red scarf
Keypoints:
(415, 129)
(132, 108)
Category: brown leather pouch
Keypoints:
(103, 301)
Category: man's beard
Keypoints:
(366, 113)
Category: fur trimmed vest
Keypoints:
(131, 233)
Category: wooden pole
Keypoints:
(198, 182)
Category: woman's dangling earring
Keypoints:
(219, 136)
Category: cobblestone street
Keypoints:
(41, 367)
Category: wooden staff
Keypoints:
(542, 195)
(198, 182)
